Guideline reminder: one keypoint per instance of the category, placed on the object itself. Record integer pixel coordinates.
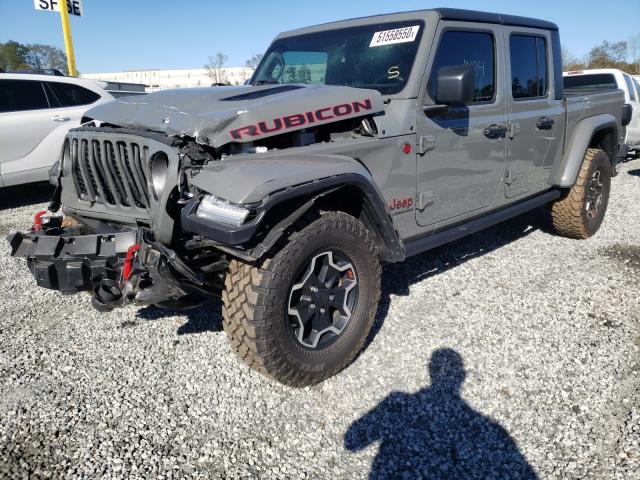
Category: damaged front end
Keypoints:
(160, 193)
(120, 265)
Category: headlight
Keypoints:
(159, 168)
(220, 211)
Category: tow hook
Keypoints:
(128, 261)
(37, 220)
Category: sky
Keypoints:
(118, 35)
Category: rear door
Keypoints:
(535, 116)
(461, 165)
(633, 129)
(24, 122)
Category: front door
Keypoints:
(461, 161)
(535, 116)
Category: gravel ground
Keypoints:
(512, 353)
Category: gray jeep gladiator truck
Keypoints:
(355, 143)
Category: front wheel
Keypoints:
(303, 314)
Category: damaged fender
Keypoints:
(260, 182)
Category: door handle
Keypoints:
(495, 131)
(545, 123)
(59, 118)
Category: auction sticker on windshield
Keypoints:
(398, 35)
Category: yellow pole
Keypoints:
(68, 44)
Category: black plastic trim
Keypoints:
(423, 244)
(461, 15)
(238, 236)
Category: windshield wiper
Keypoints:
(266, 82)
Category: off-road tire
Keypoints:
(569, 213)
(255, 303)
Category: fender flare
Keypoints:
(237, 240)
(566, 172)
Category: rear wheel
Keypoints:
(303, 314)
(579, 214)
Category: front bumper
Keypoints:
(71, 261)
(119, 265)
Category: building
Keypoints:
(161, 79)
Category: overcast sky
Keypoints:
(116, 35)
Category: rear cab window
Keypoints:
(22, 95)
(591, 81)
(474, 49)
(529, 66)
(69, 95)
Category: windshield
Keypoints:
(378, 56)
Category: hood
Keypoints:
(215, 116)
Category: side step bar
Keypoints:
(422, 244)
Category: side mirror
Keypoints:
(455, 85)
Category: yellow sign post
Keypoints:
(68, 43)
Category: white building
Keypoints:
(161, 79)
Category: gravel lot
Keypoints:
(547, 331)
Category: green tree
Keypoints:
(45, 57)
(608, 55)
(13, 56)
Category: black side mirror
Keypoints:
(455, 85)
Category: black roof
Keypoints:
(486, 17)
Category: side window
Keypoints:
(635, 82)
(69, 95)
(467, 48)
(632, 91)
(19, 95)
(529, 71)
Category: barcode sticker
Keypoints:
(399, 35)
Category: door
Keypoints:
(24, 121)
(633, 129)
(461, 152)
(535, 116)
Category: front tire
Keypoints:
(303, 314)
(580, 212)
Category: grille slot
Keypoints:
(112, 172)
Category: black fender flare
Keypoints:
(233, 240)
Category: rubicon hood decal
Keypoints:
(218, 115)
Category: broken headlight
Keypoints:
(220, 211)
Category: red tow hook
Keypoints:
(128, 260)
(37, 220)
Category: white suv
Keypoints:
(36, 112)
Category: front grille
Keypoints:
(111, 172)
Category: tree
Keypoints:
(570, 61)
(13, 56)
(46, 57)
(254, 61)
(633, 45)
(608, 55)
(215, 68)
(304, 74)
(292, 73)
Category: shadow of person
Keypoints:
(435, 434)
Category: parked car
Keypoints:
(36, 112)
(608, 79)
(356, 143)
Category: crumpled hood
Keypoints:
(218, 115)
